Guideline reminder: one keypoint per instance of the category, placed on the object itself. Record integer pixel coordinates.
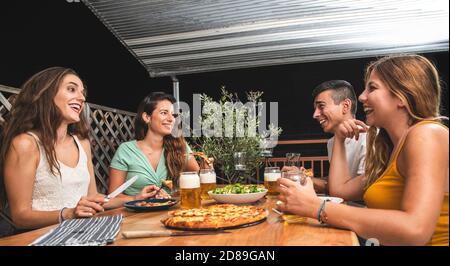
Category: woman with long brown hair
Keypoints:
(45, 157)
(405, 185)
(155, 155)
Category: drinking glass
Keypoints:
(271, 175)
(190, 190)
(207, 182)
(239, 161)
(297, 176)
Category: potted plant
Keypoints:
(230, 127)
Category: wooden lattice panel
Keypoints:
(108, 130)
(5, 104)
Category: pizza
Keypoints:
(215, 217)
(203, 156)
(309, 172)
(154, 204)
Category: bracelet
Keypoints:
(319, 213)
(61, 218)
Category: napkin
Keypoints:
(96, 231)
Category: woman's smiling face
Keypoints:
(70, 98)
(378, 101)
(162, 118)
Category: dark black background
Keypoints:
(38, 34)
(283, 255)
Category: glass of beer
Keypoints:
(271, 175)
(298, 177)
(207, 182)
(190, 190)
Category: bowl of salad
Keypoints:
(238, 193)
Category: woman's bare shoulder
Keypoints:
(429, 132)
(430, 137)
(24, 144)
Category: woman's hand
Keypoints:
(152, 191)
(162, 194)
(147, 192)
(207, 164)
(86, 207)
(298, 199)
(350, 129)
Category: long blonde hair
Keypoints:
(415, 81)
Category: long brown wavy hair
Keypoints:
(34, 110)
(415, 81)
(174, 147)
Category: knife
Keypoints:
(166, 233)
(121, 188)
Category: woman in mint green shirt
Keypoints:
(155, 155)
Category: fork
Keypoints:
(162, 185)
(275, 216)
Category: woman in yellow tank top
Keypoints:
(405, 185)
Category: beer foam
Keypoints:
(271, 176)
(189, 181)
(208, 178)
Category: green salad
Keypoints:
(239, 189)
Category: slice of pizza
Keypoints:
(309, 172)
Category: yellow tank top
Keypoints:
(387, 192)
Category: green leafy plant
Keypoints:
(229, 126)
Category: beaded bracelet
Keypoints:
(322, 207)
(61, 218)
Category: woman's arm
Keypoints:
(415, 223)
(340, 183)
(191, 165)
(20, 167)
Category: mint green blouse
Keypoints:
(131, 159)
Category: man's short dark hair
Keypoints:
(341, 90)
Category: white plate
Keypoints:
(332, 199)
(237, 198)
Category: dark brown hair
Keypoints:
(341, 90)
(174, 147)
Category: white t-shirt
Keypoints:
(356, 154)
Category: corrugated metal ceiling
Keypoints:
(171, 37)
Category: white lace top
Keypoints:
(52, 192)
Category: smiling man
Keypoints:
(334, 102)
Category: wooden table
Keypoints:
(280, 233)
